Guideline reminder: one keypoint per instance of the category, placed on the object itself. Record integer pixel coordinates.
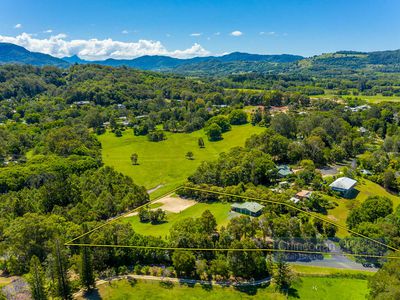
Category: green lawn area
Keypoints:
(366, 188)
(313, 270)
(164, 163)
(219, 210)
(152, 290)
(309, 288)
(328, 288)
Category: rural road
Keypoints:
(337, 261)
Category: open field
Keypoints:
(328, 288)
(324, 271)
(150, 290)
(370, 99)
(366, 188)
(164, 163)
(309, 288)
(219, 210)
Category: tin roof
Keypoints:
(251, 206)
(343, 183)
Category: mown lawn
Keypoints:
(366, 189)
(309, 288)
(164, 163)
(219, 210)
(330, 288)
(314, 270)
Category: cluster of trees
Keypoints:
(61, 187)
(383, 162)
(239, 165)
(376, 219)
(156, 216)
(156, 136)
(385, 284)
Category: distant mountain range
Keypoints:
(160, 63)
(236, 62)
(13, 54)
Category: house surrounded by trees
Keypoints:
(344, 186)
(252, 209)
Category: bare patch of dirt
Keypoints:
(175, 204)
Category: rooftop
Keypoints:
(304, 194)
(284, 170)
(251, 206)
(343, 183)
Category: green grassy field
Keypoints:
(324, 271)
(219, 210)
(164, 163)
(328, 288)
(309, 288)
(371, 99)
(366, 188)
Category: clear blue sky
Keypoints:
(305, 27)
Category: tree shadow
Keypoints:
(207, 286)
(249, 290)
(159, 223)
(294, 293)
(132, 281)
(92, 294)
(166, 284)
(187, 284)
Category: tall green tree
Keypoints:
(36, 279)
(213, 132)
(184, 262)
(86, 272)
(63, 289)
(283, 276)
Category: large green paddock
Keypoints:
(309, 288)
(219, 210)
(164, 163)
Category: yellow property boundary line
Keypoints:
(314, 215)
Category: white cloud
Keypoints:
(95, 49)
(196, 34)
(124, 31)
(18, 26)
(48, 31)
(236, 33)
(268, 33)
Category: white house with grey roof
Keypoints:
(253, 209)
(344, 186)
